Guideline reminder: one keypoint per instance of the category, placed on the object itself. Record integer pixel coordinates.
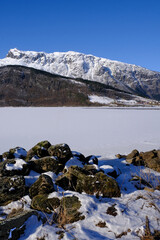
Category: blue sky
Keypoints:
(122, 30)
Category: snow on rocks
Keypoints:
(94, 197)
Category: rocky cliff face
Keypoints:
(126, 77)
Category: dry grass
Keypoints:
(15, 212)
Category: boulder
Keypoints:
(68, 211)
(46, 164)
(91, 169)
(7, 155)
(11, 189)
(133, 154)
(81, 180)
(42, 203)
(150, 159)
(17, 152)
(79, 156)
(92, 160)
(43, 185)
(16, 223)
(61, 151)
(13, 167)
(38, 151)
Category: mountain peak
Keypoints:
(127, 77)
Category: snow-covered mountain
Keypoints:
(128, 77)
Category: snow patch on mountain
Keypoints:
(127, 77)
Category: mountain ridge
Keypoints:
(25, 86)
(127, 77)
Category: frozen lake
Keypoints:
(98, 131)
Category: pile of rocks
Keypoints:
(84, 176)
(150, 159)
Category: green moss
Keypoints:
(68, 213)
(42, 203)
(43, 185)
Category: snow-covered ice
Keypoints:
(98, 131)
(103, 132)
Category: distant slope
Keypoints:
(23, 86)
(126, 77)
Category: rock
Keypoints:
(39, 150)
(46, 164)
(79, 156)
(138, 161)
(91, 169)
(17, 152)
(11, 189)
(133, 154)
(110, 170)
(7, 155)
(42, 203)
(15, 223)
(81, 180)
(119, 156)
(148, 155)
(158, 154)
(153, 163)
(13, 167)
(92, 160)
(99, 185)
(68, 180)
(68, 212)
(158, 187)
(61, 151)
(150, 159)
(43, 185)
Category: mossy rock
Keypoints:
(17, 152)
(99, 185)
(80, 180)
(39, 150)
(46, 164)
(44, 144)
(42, 203)
(68, 180)
(8, 155)
(91, 169)
(11, 189)
(68, 212)
(24, 170)
(43, 185)
(61, 151)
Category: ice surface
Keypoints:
(98, 131)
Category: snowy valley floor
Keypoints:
(102, 132)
